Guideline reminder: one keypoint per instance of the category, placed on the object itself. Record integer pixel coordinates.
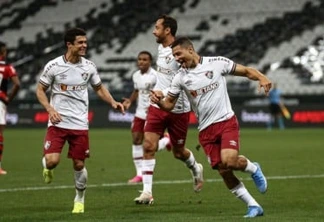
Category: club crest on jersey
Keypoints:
(209, 74)
(85, 75)
(168, 59)
(148, 85)
(47, 144)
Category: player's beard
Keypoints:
(160, 39)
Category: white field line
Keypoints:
(156, 182)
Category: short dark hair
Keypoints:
(72, 33)
(146, 53)
(182, 41)
(169, 22)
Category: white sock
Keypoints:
(44, 163)
(137, 153)
(192, 164)
(250, 167)
(163, 142)
(243, 194)
(80, 178)
(147, 174)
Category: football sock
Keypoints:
(243, 194)
(163, 143)
(250, 167)
(147, 174)
(191, 163)
(80, 178)
(137, 152)
(44, 163)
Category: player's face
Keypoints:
(79, 47)
(143, 62)
(183, 56)
(159, 31)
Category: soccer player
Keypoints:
(205, 86)
(8, 73)
(176, 122)
(144, 80)
(275, 109)
(68, 77)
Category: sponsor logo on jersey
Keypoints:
(50, 66)
(73, 88)
(204, 90)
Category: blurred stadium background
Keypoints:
(283, 39)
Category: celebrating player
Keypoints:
(144, 80)
(205, 86)
(68, 77)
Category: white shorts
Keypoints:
(3, 112)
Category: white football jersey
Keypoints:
(144, 83)
(205, 86)
(69, 90)
(167, 67)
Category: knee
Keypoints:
(149, 147)
(78, 165)
(51, 163)
(137, 141)
(230, 163)
(180, 153)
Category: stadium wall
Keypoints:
(305, 111)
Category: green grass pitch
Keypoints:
(291, 159)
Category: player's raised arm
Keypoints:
(254, 74)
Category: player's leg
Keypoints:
(78, 152)
(80, 180)
(239, 190)
(137, 148)
(2, 171)
(154, 128)
(230, 157)
(178, 129)
(3, 111)
(150, 144)
(272, 109)
(164, 142)
(53, 144)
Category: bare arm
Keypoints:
(54, 116)
(128, 101)
(255, 75)
(15, 88)
(167, 103)
(105, 95)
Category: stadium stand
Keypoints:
(284, 39)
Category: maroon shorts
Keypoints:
(218, 136)
(158, 121)
(138, 125)
(78, 141)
